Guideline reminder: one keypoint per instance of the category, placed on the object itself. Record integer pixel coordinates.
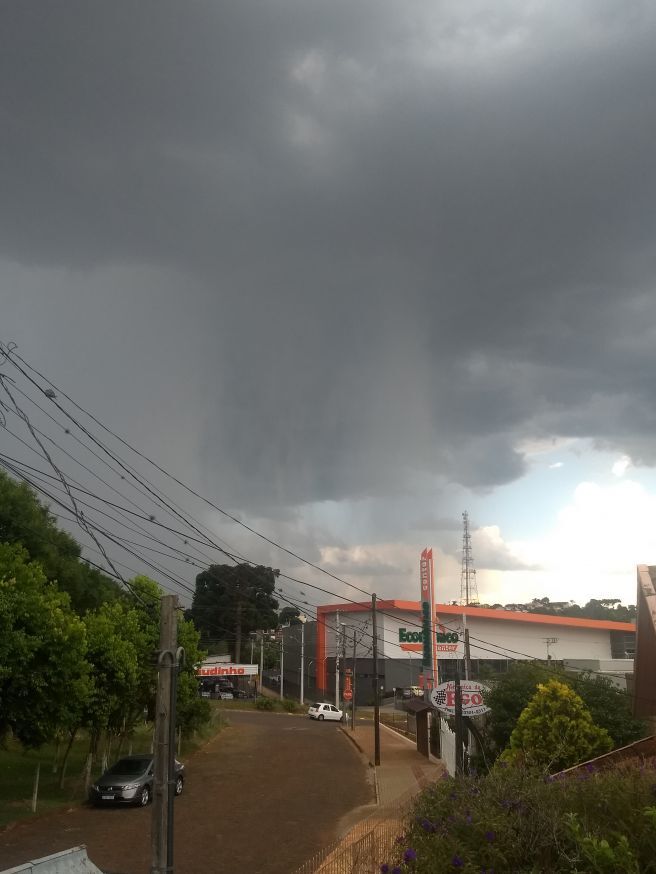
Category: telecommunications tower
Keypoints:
(468, 587)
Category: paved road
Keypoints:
(263, 796)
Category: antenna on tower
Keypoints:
(468, 586)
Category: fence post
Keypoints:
(35, 793)
(87, 774)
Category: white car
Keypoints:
(324, 711)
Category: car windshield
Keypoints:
(129, 766)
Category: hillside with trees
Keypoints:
(610, 609)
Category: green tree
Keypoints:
(114, 641)
(230, 601)
(24, 520)
(44, 675)
(556, 730)
(289, 615)
(192, 710)
(611, 708)
(510, 693)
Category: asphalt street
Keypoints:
(262, 796)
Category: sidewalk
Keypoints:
(402, 770)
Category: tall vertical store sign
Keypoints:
(429, 655)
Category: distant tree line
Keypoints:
(611, 609)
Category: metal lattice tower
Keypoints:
(468, 585)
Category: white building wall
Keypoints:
(489, 638)
(358, 623)
(528, 638)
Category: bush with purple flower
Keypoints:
(516, 820)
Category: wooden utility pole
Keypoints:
(459, 727)
(337, 660)
(162, 779)
(468, 675)
(353, 665)
(376, 683)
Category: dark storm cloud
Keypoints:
(406, 236)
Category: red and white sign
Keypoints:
(226, 670)
(424, 576)
(443, 698)
(347, 694)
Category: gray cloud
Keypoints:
(331, 251)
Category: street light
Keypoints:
(302, 619)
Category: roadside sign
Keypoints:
(443, 698)
(347, 694)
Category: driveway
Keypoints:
(262, 796)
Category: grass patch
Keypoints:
(18, 767)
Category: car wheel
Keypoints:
(144, 798)
(321, 717)
(179, 783)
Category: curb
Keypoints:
(371, 764)
(355, 743)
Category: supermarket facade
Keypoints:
(497, 637)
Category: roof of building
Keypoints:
(481, 613)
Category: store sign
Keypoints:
(448, 643)
(225, 670)
(443, 698)
(423, 576)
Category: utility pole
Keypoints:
(376, 691)
(337, 661)
(261, 659)
(282, 664)
(550, 641)
(353, 665)
(459, 727)
(302, 620)
(467, 651)
(162, 779)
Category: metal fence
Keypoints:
(366, 845)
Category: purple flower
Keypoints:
(384, 868)
(427, 825)
(457, 862)
(396, 870)
(410, 855)
(468, 818)
(490, 836)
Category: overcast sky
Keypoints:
(353, 267)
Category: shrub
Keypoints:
(263, 703)
(510, 693)
(516, 820)
(290, 705)
(556, 730)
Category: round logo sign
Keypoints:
(347, 694)
(443, 697)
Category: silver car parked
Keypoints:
(130, 781)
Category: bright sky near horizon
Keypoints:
(351, 268)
